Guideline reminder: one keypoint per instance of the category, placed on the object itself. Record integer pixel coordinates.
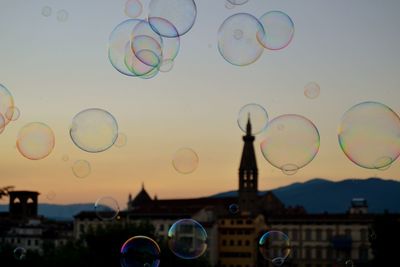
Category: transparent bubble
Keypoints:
(133, 8)
(35, 140)
(167, 65)
(19, 253)
(246, 49)
(185, 160)
(81, 168)
(274, 246)
(65, 157)
(279, 30)
(121, 141)
(6, 101)
(62, 15)
(140, 251)
(187, 239)
(137, 67)
(369, 135)
(234, 208)
(290, 142)
(12, 113)
(237, 2)
(258, 117)
(349, 263)
(94, 130)
(51, 195)
(46, 11)
(180, 13)
(120, 53)
(312, 90)
(106, 208)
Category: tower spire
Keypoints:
(248, 125)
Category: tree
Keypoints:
(5, 190)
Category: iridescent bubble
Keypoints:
(257, 115)
(234, 208)
(62, 15)
(121, 141)
(185, 160)
(133, 8)
(180, 13)
(369, 135)
(12, 113)
(140, 251)
(46, 11)
(237, 2)
(35, 140)
(274, 246)
(51, 195)
(187, 239)
(19, 253)
(290, 142)
(106, 208)
(94, 130)
(237, 39)
(279, 30)
(6, 101)
(312, 90)
(147, 50)
(81, 168)
(120, 52)
(137, 67)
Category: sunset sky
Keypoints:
(56, 69)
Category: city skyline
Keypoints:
(55, 69)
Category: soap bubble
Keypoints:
(349, 263)
(46, 11)
(133, 8)
(140, 251)
(234, 208)
(290, 142)
(94, 130)
(257, 115)
(237, 39)
(19, 253)
(187, 239)
(369, 135)
(106, 208)
(279, 30)
(180, 13)
(35, 140)
(185, 160)
(81, 168)
(312, 90)
(62, 15)
(275, 246)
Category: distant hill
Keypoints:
(319, 195)
(316, 195)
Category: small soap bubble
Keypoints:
(35, 140)
(140, 251)
(187, 239)
(19, 253)
(46, 11)
(234, 208)
(312, 90)
(106, 208)
(133, 8)
(62, 15)
(121, 141)
(81, 168)
(185, 160)
(275, 246)
(256, 115)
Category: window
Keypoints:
(231, 242)
(329, 253)
(308, 234)
(224, 242)
(239, 222)
(318, 234)
(308, 253)
(363, 234)
(329, 234)
(239, 242)
(363, 254)
(318, 253)
(222, 222)
(295, 234)
(29, 242)
(247, 242)
(347, 232)
(36, 242)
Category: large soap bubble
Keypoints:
(256, 115)
(369, 135)
(180, 13)
(140, 251)
(279, 30)
(187, 239)
(290, 142)
(275, 246)
(35, 140)
(237, 39)
(94, 130)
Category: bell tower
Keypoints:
(248, 174)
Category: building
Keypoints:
(317, 240)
